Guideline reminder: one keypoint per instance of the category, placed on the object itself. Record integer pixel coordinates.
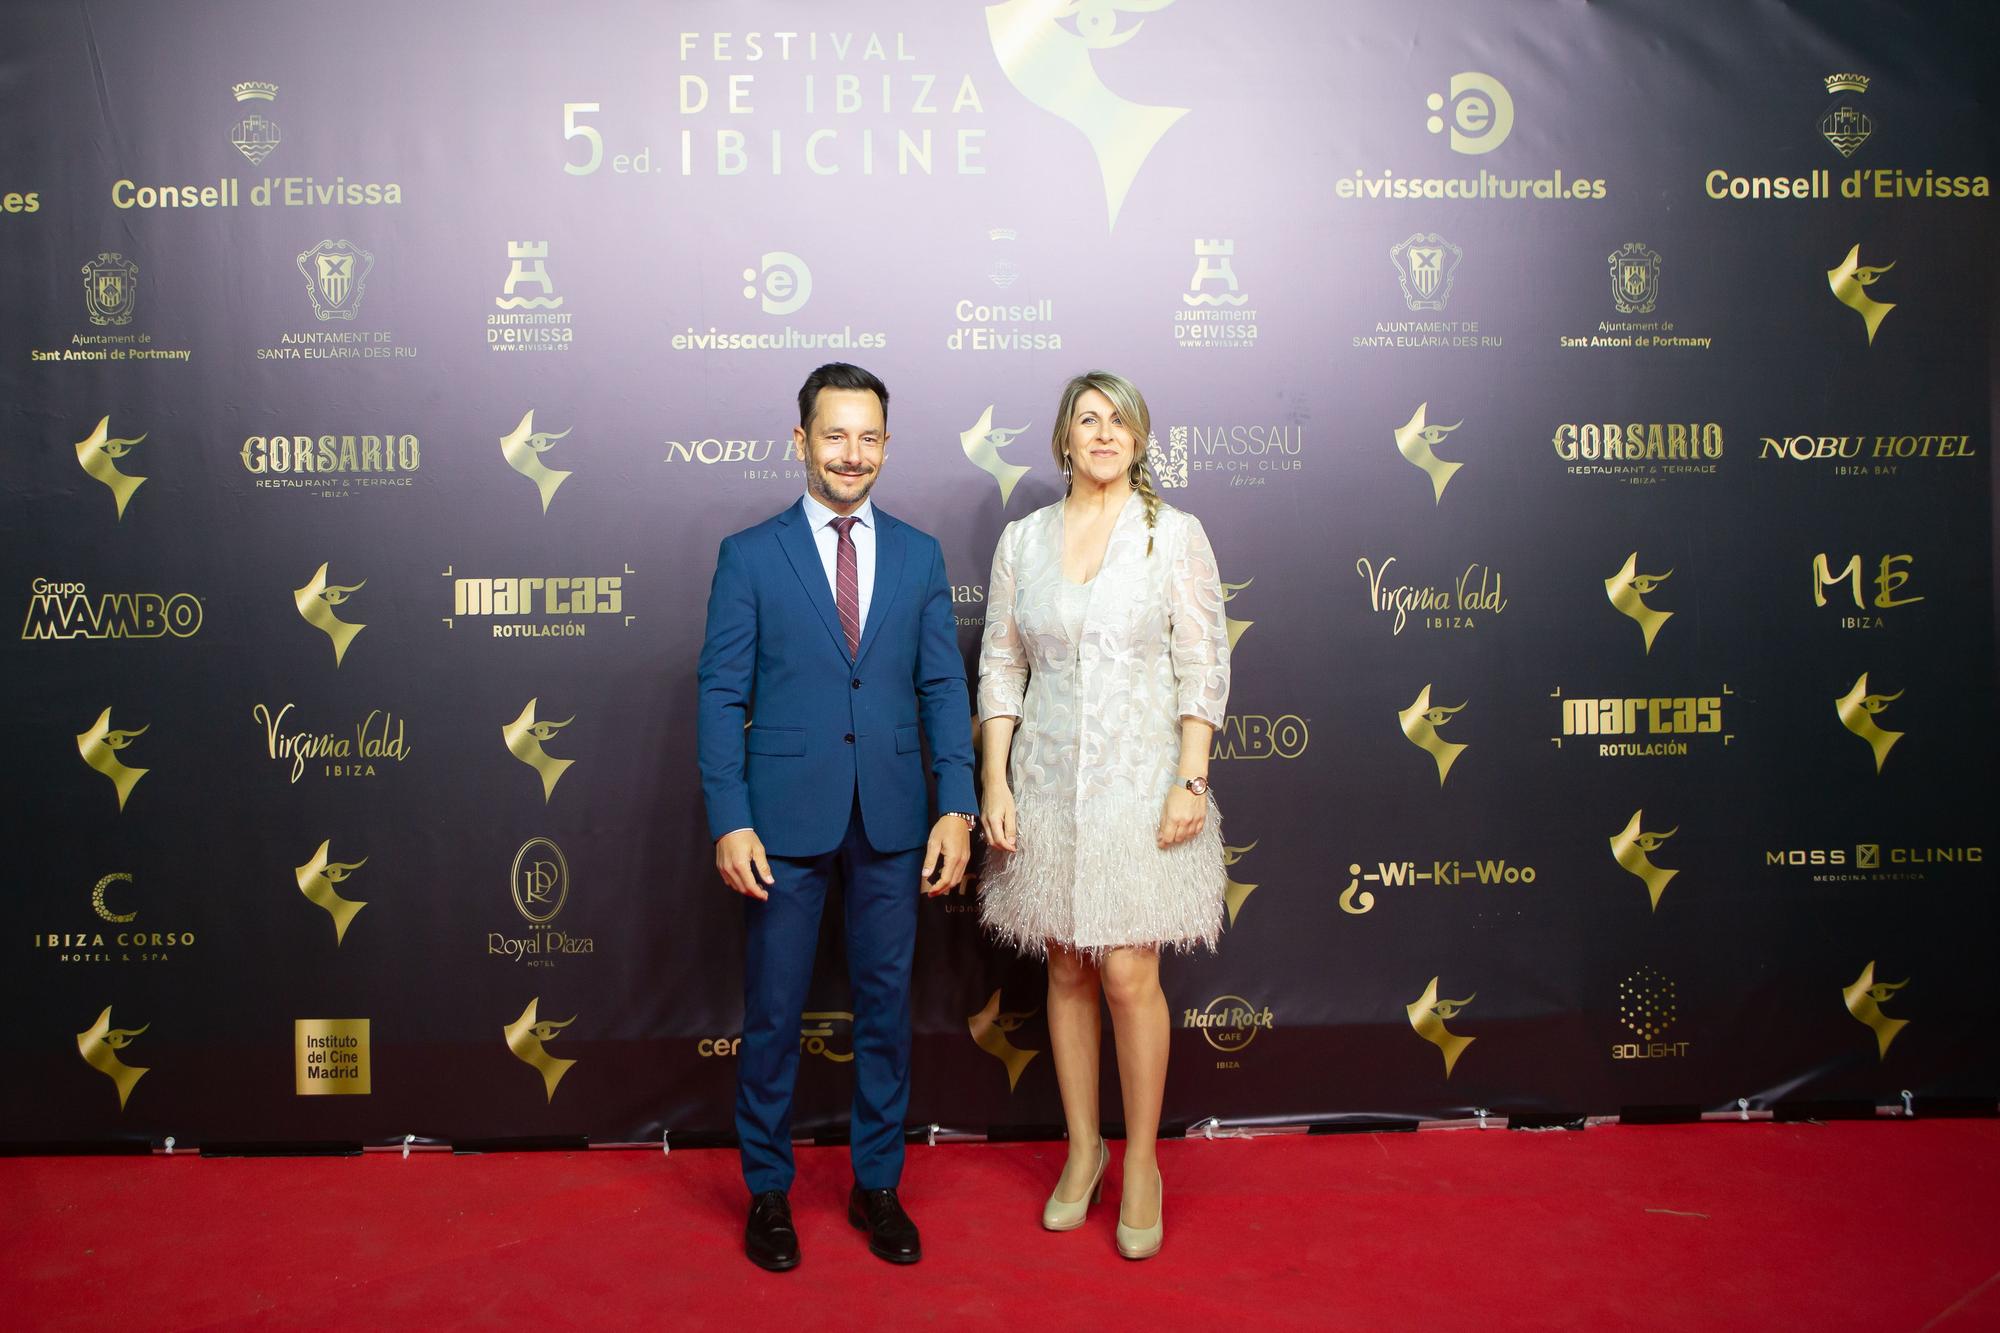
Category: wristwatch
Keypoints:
(1199, 786)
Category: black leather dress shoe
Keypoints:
(891, 1233)
(769, 1237)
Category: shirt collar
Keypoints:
(818, 515)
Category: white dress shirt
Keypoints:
(862, 534)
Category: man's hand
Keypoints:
(1183, 817)
(945, 855)
(739, 856)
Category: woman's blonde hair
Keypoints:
(1131, 408)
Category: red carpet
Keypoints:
(1875, 1226)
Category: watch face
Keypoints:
(1199, 786)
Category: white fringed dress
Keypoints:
(1099, 697)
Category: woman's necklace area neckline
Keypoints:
(1063, 534)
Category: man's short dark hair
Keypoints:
(838, 375)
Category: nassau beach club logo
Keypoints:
(1049, 62)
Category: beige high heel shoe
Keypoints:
(1060, 1216)
(1143, 1242)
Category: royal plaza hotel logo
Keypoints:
(1649, 1007)
(1852, 129)
(354, 752)
(1474, 597)
(992, 1028)
(1870, 455)
(1229, 1023)
(539, 607)
(1632, 727)
(66, 609)
(1473, 114)
(539, 887)
(1641, 453)
(107, 935)
(254, 133)
(1887, 588)
(1416, 878)
(331, 466)
(779, 284)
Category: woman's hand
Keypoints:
(996, 816)
(1183, 817)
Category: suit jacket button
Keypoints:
(849, 738)
(855, 683)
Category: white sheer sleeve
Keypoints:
(1003, 660)
(1200, 629)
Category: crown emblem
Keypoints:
(1847, 83)
(255, 90)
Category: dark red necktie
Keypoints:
(847, 585)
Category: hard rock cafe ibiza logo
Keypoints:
(1850, 280)
(336, 274)
(525, 1038)
(317, 879)
(524, 737)
(982, 443)
(1858, 710)
(1635, 279)
(255, 135)
(1844, 124)
(1421, 722)
(1426, 264)
(1632, 848)
(1865, 998)
(316, 602)
(1415, 441)
(98, 453)
(990, 1028)
(523, 448)
(1627, 591)
(100, 745)
(1428, 1015)
(99, 1045)
(1049, 63)
(111, 289)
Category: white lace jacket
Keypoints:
(1101, 717)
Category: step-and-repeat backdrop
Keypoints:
(1591, 406)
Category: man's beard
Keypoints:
(820, 482)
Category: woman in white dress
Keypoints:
(1102, 676)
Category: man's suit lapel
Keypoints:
(795, 536)
(889, 546)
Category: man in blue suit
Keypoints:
(831, 653)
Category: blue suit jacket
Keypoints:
(822, 725)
